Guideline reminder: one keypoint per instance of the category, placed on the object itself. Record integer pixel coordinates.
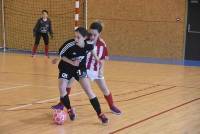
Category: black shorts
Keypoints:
(67, 73)
(44, 36)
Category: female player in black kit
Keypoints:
(42, 28)
(73, 64)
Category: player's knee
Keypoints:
(91, 95)
(63, 91)
(105, 91)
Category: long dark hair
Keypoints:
(82, 31)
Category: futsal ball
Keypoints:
(59, 117)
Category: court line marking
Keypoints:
(22, 73)
(39, 74)
(14, 108)
(136, 91)
(44, 86)
(53, 99)
(8, 88)
(153, 116)
(48, 100)
(9, 83)
(39, 102)
(29, 84)
(24, 85)
(140, 96)
(143, 95)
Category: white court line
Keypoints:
(38, 102)
(44, 86)
(29, 84)
(48, 100)
(8, 88)
(8, 83)
(14, 108)
(17, 84)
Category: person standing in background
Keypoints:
(42, 29)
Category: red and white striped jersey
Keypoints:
(102, 53)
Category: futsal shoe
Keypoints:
(33, 55)
(47, 56)
(58, 106)
(72, 114)
(103, 119)
(115, 110)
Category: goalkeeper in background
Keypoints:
(42, 28)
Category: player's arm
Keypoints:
(55, 60)
(90, 47)
(59, 55)
(65, 59)
(95, 55)
(63, 51)
(74, 63)
(103, 58)
(50, 29)
(36, 27)
(101, 68)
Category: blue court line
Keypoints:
(126, 58)
(156, 60)
(26, 51)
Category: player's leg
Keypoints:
(46, 42)
(69, 86)
(64, 98)
(37, 41)
(85, 84)
(108, 95)
(68, 90)
(99, 79)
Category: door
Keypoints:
(192, 50)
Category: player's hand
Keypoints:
(54, 61)
(76, 63)
(99, 61)
(51, 36)
(100, 72)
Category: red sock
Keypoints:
(34, 49)
(109, 99)
(68, 90)
(46, 50)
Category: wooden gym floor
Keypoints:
(154, 98)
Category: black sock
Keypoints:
(96, 105)
(65, 101)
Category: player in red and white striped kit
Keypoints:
(95, 68)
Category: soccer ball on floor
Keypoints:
(59, 117)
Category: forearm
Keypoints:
(54, 61)
(67, 60)
(50, 31)
(101, 69)
(36, 27)
(95, 55)
(50, 28)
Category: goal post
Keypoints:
(19, 18)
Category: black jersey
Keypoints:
(73, 52)
(43, 26)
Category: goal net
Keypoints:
(21, 16)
